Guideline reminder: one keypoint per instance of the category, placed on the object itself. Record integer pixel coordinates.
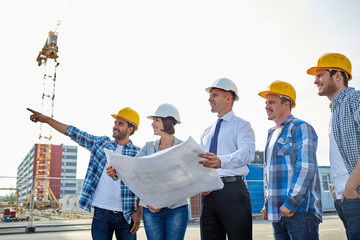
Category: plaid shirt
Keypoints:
(96, 166)
(346, 125)
(294, 178)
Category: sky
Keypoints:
(140, 54)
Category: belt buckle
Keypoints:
(116, 212)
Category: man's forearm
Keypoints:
(60, 127)
(39, 117)
(354, 179)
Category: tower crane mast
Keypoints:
(43, 197)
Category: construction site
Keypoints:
(107, 55)
(38, 183)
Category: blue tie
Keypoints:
(214, 140)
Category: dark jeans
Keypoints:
(339, 209)
(167, 224)
(227, 212)
(300, 226)
(351, 213)
(106, 222)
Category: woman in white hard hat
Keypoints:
(170, 222)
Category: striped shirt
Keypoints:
(96, 166)
(293, 175)
(346, 126)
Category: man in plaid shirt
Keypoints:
(115, 206)
(291, 178)
(332, 74)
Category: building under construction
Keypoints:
(45, 165)
(62, 174)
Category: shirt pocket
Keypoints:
(284, 146)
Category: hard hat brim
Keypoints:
(116, 116)
(208, 90)
(152, 118)
(264, 93)
(313, 70)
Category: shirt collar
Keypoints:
(287, 120)
(176, 142)
(228, 116)
(340, 97)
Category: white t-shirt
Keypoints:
(269, 151)
(108, 192)
(339, 174)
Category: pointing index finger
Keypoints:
(33, 111)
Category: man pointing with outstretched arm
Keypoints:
(115, 206)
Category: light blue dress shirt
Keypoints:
(236, 145)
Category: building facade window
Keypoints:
(326, 184)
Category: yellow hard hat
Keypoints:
(129, 115)
(335, 61)
(280, 88)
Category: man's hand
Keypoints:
(136, 217)
(333, 192)
(264, 214)
(153, 210)
(352, 183)
(212, 161)
(286, 212)
(349, 192)
(36, 116)
(111, 172)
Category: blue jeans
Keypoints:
(167, 224)
(301, 226)
(106, 222)
(351, 212)
(340, 212)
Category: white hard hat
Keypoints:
(226, 85)
(167, 110)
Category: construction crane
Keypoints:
(42, 196)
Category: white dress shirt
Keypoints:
(236, 145)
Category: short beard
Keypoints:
(329, 89)
(120, 136)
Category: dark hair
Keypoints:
(233, 95)
(169, 123)
(133, 126)
(345, 76)
(285, 99)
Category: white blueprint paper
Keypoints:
(166, 177)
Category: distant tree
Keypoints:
(10, 198)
